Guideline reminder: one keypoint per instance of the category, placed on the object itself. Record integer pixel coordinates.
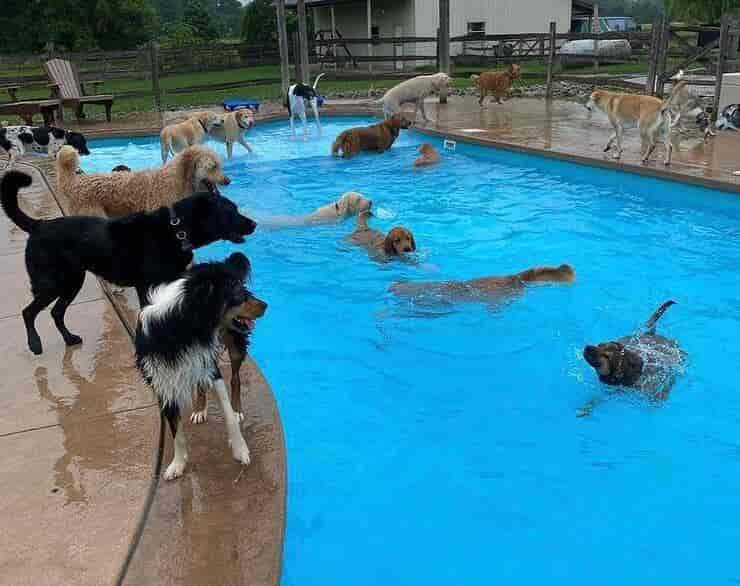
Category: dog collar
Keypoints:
(181, 235)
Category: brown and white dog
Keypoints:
(175, 138)
(428, 155)
(397, 242)
(496, 83)
(378, 137)
(655, 118)
(232, 130)
(486, 289)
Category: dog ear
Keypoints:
(413, 242)
(388, 245)
(240, 264)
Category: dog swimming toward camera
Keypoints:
(645, 361)
(178, 343)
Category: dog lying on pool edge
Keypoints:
(178, 344)
(644, 361)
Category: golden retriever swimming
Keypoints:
(397, 242)
(485, 288)
(174, 138)
(117, 194)
(496, 83)
(428, 156)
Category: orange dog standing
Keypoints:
(496, 83)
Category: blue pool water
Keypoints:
(439, 444)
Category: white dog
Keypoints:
(414, 91)
(298, 95)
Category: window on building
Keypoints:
(477, 28)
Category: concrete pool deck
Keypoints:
(83, 501)
(82, 449)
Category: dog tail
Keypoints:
(316, 81)
(11, 183)
(650, 325)
(562, 274)
(68, 161)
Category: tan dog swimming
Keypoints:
(397, 242)
(428, 156)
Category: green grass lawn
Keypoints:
(535, 73)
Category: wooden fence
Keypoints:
(662, 51)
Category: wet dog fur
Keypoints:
(496, 83)
(377, 138)
(397, 242)
(178, 340)
(116, 194)
(487, 289)
(428, 156)
(140, 250)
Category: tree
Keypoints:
(259, 25)
(168, 10)
(229, 14)
(122, 24)
(197, 16)
(703, 11)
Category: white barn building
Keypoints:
(420, 18)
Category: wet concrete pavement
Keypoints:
(80, 470)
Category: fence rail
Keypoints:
(663, 51)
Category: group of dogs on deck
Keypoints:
(139, 229)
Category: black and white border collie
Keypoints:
(178, 344)
(40, 140)
(298, 95)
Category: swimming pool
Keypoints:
(439, 444)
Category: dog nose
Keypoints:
(227, 181)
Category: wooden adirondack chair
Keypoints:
(65, 84)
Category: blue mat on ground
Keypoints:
(239, 104)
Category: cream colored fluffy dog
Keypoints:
(113, 195)
(413, 91)
(235, 124)
(350, 204)
(177, 137)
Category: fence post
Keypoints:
(551, 58)
(665, 35)
(154, 62)
(653, 58)
(284, 52)
(723, 44)
(297, 58)
(596, 29)
(303, 42)
(443, 44)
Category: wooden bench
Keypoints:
(66, 86)
(27, 108)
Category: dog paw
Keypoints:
(175, 469)
(241, 453)
(199, 416)
(34, 345)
